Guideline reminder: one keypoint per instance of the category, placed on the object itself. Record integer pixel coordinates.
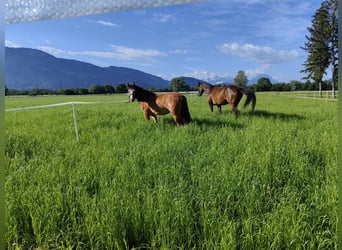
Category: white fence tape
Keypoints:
(59, 104)
(317, 98)
(63, 104)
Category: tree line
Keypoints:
(93, 89)
(263, 84)
(178, 84)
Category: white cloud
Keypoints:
(127, 53)
(204, 75)
(253, 73)
(180, 52)
(11, 44)
(266, 55)
(209, 76)
(120, 53)
(164, 18)
(54, 51)
(109, 24)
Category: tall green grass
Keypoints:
(266, 180)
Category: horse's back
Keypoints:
(169, 99)
(163, 103)
(218, 96)
(177, 104)
(223, 95)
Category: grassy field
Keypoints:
(267, 180)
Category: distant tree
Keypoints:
(307, 85)
(69, 91)
(121, 88)
(179, 84)
(295, 85)
(109, 89)
(277, 87)
(6, 90)
(322, 44)
(264, 84)
(82, 91)
(281, 87)
(96, 89)
(241, 79)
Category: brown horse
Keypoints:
(153, 104)
(224, 95)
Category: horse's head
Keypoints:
(137, 93)
(200, 89)
(131, 91)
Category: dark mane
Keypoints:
(142, 94)
(205, 83)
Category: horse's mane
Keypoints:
(142, 93)
(208, 86)
(145, 91)
(206, 83)
(218, 85)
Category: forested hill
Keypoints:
(31, 68)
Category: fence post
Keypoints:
(75, 124)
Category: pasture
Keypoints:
(266, 180)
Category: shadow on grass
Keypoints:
(204, 122)
(232, 123)
(273, 115)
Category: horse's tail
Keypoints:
(250, 97)
(185, 114)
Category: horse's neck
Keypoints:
(208, 88)
(147, 96)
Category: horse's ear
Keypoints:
(199, 83)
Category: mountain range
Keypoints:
(27, 68)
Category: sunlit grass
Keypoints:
(266, 180)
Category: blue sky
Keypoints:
(209, 40)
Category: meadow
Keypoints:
(266, 180)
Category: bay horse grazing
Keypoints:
(228, 94)
(162, 104)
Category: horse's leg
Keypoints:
(211, 106)
(178, 120)
(234, 110)
(219, 108)
(177, 115)
(148, 114)
(154, 117)
(235, 103)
